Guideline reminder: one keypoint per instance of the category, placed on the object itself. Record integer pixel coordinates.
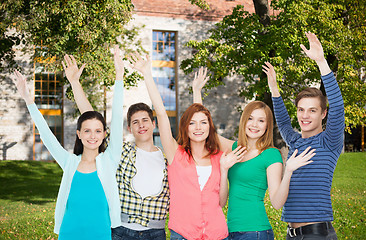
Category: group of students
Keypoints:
(125, 191)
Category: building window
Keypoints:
(48, 96)
(164, 71)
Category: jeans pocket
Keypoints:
(175, 236)
(158, 234)
(117, 233)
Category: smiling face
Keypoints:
(256, 124)
(141, 126)
(91, 134)
(310, 116)
(198, 128)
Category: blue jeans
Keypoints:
(177, 236)
(122, 233)
(252, 235)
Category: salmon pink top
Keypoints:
(193, 213)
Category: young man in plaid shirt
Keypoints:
(141, 175)
(142, 180)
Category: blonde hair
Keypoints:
(265, 141)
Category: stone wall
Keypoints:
(16, 126)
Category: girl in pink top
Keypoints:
(194, 166)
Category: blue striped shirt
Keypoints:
(309, 194)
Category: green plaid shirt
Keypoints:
(139, 210)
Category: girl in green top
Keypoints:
(260, 169)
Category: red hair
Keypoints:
(212, 141)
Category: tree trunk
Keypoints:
(262, 10)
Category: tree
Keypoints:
(241, 42)
(86, 29)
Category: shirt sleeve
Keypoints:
(235, 145)
(283, 120)
(114, 148)
(48, 138)
(335, 121)
(273, 155)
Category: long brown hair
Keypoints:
(79, 147)
(265, 141)
(212, 142)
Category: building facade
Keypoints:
(167, 25)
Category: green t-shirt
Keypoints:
(248, 185)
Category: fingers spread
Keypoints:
(82, 67)
(67, 60)
(205, 71)
(303, 48)
(294, 153)
(134, 57)
(305, 151)
(73, 62)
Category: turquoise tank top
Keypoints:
(87, 214)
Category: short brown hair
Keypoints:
(212, 142)
(265, 141)
(312, 92)
(137, 107)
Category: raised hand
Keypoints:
(21, 84)
(316, 50)
(71, 69)
(200, 79)
(271, 76)
(228, 160)
(139, 63)
(118, 63)
(295, 162)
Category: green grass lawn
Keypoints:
(28, 191)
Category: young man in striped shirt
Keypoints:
(308, 209)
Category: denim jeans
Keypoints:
(177, 236)
(252, 235)
(122, 233)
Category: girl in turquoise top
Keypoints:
(88, 202)
(260, 169)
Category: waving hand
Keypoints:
(21, 84)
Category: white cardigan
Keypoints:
(106, 162)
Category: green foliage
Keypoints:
(240, 44)
(8, 39)
(84, 29)
(200, 3)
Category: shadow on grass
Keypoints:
(29, 181)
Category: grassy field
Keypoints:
(28, 191)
